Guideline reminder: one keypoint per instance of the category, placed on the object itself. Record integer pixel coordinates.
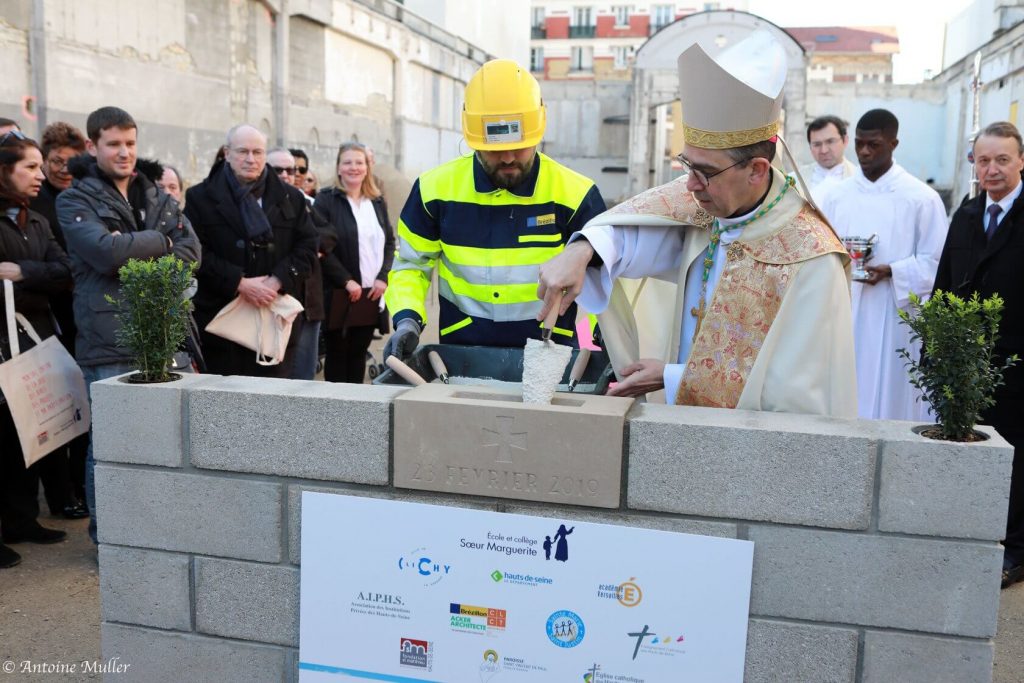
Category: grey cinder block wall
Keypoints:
(876, 555)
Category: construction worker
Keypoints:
(490, 219)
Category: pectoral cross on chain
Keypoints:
(698, 313)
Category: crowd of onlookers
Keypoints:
(75, 207)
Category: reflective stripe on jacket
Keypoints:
(488, 244)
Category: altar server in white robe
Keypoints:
(827, 138)
(910, 221)
(748, 305)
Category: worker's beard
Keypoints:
(504, 178)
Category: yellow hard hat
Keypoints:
(503, 108)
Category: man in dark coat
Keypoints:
(983, 254)
(258, 241)
(112, 214)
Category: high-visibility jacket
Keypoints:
(488, 244)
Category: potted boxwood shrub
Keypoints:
(956, 371)
(154, 314)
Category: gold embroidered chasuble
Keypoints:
(726, 367)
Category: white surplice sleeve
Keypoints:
(916, 272)
(628, 252)
(806, 364)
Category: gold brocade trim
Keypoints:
(671, 200)
(743, 308)
(805, 237)
(710, 139)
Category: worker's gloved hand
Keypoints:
(404, 341)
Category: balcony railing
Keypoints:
(582, 31)
(538, 32)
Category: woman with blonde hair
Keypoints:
(356, 270)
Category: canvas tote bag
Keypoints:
(44, 388)
(265, 329)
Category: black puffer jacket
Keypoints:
(90, 212)
(45, 269)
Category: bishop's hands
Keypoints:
(562, 277)
(640, 378)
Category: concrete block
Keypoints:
(780, 652)
(141, 423)
(933, 586)
(189, 513)
(313, 430)
(794, 469)
(165, 657)
(247, 600)
(679, 525)
(942, 488)
(485, 441)
(145, 587)
(925, 659)
(295, 507)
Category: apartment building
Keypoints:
(596, 40)
(848, 54)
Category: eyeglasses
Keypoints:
(13, 134)
(301, 170)
(703, 177)
(58, 164)
(284, 170)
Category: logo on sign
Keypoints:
(520, 579)
(646, 640)
(560, 544)
(565, 629)
(490, 667)
(473, 619)
(421, 563)
(416, 653)
(627, 593)
(383, 598)
(596, 675)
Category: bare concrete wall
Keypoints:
(588, 130)
(188, 70)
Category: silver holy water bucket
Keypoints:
(860, 249)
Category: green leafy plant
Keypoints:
(957, 371)
(153, 312)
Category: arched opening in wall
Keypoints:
(314, 138)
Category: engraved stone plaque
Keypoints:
(485, 441)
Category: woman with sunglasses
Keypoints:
(31, 258)
(356, 270)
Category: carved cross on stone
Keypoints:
(503, 438)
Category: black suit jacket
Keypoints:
(971, 263)
(229, 254)
(342, 263)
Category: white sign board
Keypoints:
(404, 592)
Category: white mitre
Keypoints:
(736, 99)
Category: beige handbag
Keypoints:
(44, 389)
(265, 329)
